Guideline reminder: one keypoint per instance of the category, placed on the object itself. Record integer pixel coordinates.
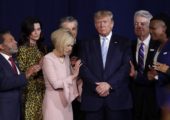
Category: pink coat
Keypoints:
(61, 89)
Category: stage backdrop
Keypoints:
(12, 13)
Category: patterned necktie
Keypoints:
(104, 50)
(141, 58)
(13, 65)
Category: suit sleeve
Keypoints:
(85, 72)
(121, 76)
(8, 82)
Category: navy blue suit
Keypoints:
(163, 87)
(116, 73)
(10, 91)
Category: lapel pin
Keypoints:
(164, 53)
(152, 50)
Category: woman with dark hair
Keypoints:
(160, 31)
(31, 53)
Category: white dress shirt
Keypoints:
(7, 58)
(146, 48)
(107, 38)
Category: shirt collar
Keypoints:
(146, 41)
(108, 37)
(5, 56)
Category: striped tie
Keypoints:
(141, 58)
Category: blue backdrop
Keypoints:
(12, 13)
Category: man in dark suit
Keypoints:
(144, 94)
(11, 80)
(105, 72)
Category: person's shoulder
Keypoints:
(49, 55)
(23, 50)
(154, 43)
(1, 57)
(167, 45)
(23, 47)
(121, 39)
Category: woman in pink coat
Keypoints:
(60, 78)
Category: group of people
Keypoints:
(150, 56)
(109, 76)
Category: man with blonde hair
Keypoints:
(105, 72)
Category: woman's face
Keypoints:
(68, 48)
(157, 29)
(35, 34)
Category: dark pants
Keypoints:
(106, 114)
(145, 104)
(77, 113)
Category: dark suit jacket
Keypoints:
(164, 57)
(142, 79)
(10, 91)
(76, 48)
(116, 73)
(143, 90)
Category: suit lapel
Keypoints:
(134, 46)
(5, 63)
(151, 52)
(111, 55)
(97, 47)
(164, 54)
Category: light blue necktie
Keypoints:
(104, 49)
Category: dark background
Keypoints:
(12, 13)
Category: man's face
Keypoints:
(104, 25)
(72, 26)
(141, 27)
(9, 46)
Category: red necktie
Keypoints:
(13, 65)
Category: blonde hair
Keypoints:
(103, 13)
(60, 38)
